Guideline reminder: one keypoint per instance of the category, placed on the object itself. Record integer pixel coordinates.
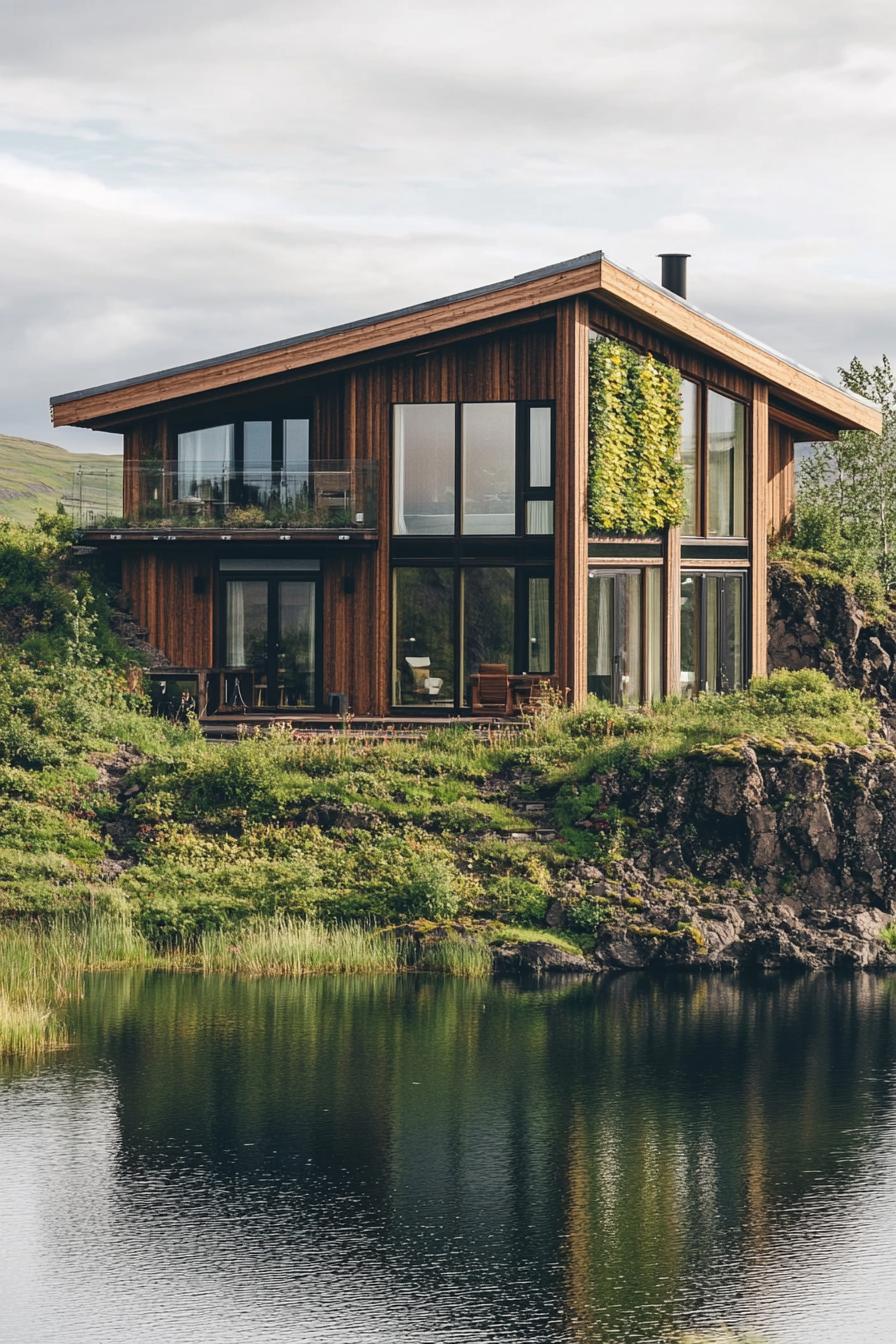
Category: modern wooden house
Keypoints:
(381, 510)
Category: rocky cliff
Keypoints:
(763, 855)
(816, 619)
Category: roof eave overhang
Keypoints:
(593, 274)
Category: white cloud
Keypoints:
(183, 178)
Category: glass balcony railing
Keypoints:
(328, 496)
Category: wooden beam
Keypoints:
(571, 524)
(759, 522)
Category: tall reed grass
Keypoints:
(287, 946)
(41, 968)
(468, 957)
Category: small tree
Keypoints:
(846, 502)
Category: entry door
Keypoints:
(272, 625)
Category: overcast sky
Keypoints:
(182, 178)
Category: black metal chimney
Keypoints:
(675, 272)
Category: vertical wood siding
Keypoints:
(781, 480)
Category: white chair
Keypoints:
(425, 687)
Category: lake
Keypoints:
(424, 1161)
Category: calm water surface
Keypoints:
(416, 1160)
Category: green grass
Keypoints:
(295, 947)
(34, 476)
(464, 955)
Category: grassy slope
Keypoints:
(35, 475)
(191, 835)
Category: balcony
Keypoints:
(326, 497)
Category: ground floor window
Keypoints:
(625, 634)
(713, 620)
(449, 621)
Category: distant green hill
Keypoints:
(36, 476)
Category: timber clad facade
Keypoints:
(378, 511)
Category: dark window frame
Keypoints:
(523, 491)
(522, 574)
(704, 387)
(700, 575)
(273, 578)
(641, 569)
(260, 412)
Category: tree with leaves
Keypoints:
(846, 500)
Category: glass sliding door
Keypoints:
(424, 654)
(297, 642)
(271, 629)
(488, 596)
(624, 649)
(246, 640)
(713, 648)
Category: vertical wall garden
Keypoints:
(635, 481)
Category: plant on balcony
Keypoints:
(635, 480)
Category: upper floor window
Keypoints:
(247, 461)
(477, 469)
(714, 458)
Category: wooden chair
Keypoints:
(490, 689)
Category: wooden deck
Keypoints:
(396, 727)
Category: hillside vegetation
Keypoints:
(35, 476)
(103, 806)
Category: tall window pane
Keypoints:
(726, 462)
(732, 652)
(489, 468)
(690, 635)
(423, 624)
(424, 470)
(690, 448)
(601, 639)
(257, 440)
(488, 603)
(205, 463)
(653, 624)
(540, 447)
(296, 452)
(540, 637)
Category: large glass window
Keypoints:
(505, 620)
(424, 636)
(501, 452)
(726, 466)
(205, 463)
(713, 652)
(424, 474)
(488, 448)
(714, 460)
(489, 596)
(624, 648)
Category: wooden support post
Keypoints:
(759, 514)
(570, 521)
(672, 612)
